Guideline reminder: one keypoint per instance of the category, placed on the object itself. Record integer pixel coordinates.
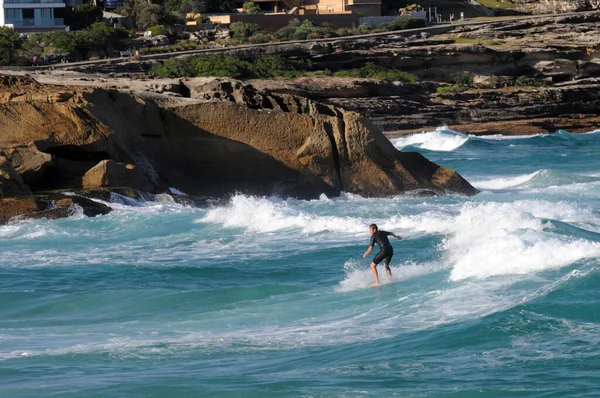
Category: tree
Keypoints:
(148, 15)
(10, 44)
(83, 16)
(250, 7)
(243, 30)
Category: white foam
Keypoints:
(490, 239)
(442, 139)
(256, 214)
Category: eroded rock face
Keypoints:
(11, 183)
(228, 137)
(554, 6)
(316, 148)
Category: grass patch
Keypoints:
(372, 71)
(455, 88)
(266, 67)
(496, 4)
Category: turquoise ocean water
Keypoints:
(497, 295)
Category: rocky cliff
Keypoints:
(225, 137)
(554, 6)
(532, 75)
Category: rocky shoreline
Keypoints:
(529, 76)
(224, 137)
(89, 132)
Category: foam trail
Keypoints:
(500, 137)
(442, 139)
(358, 274)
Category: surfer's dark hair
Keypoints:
(374, 226)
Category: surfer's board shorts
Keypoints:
(387, 255)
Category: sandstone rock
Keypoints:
(486, 81)
(11, 183)
(227, 137)
(48, 207)
(553, 6)
(109, 173)
(29, 161)
(312, 149)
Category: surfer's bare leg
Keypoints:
(388, 270)
(374, 269)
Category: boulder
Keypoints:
(49, 206)
(310, 149)
(109, 173)
(29, 161)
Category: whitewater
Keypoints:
(495, 295)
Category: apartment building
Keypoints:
(32, 15)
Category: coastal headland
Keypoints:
(102, 128)
(226, 137)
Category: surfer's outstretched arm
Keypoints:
(368, 251)
(396, 236)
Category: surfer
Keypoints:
(386, 251)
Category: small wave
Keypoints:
(504, 182)
(549, 178)
(442, 139)
(538, 179)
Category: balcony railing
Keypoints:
(361, 2)
(33, 1)
(32, 22)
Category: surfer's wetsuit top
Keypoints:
(385, 247)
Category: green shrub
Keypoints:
(202, 19)
(243, 30)
(267, 66)
(251, 8)
(99, 38)
(273, 66)
(305, 30)
(260, 37)
(464, 80)
(363, 29)
(372, 71)
(157, 30)
(406, 23)
(10, 44)
(455, 88)
(285, 33)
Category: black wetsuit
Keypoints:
(385, 247)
